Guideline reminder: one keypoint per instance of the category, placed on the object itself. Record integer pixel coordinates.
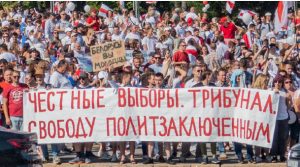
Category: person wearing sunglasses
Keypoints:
(62, 24)
(13, 102)
(281, 126)
(157, 65)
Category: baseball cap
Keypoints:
(268, 14)
(73, 34)
(102, 74)
(68, 29)
(83, 75)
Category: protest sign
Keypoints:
(206, 114)
(108, 54)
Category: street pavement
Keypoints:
(97, 162)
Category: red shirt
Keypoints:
(229, 31)
(180, 56)
(14, 94)
(96, 26)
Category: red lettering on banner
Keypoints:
(121, 126)
(245, 100)
(235, 127)
(131, 99)
(49, 106)
(143, 98)
(224, 126)
(170, 100)
(217, 125)
(43, 132)
(161, 96)
(33, 100)
(121, 97)
(172, 126)
(137, 99)
(193, 126)
(152, 98)
(40, 101)
(236, 95)
(254, 130)
(268, 105)
(51, 128)
(86, 101)
(163, 123)
(93, 97)
(182, 126)
(61, 98)
(142, 125)
(215, 98)
(108, 126)
(153, 118)
(60, 131)
(176, 98)
(226, 100)
(256, 102)
(208, 127)
(70, 135)
(249, 131)
(130, 124)
(80, 128)
(91, 125)
(99, 97)
(265, 131)
(29, 125)
(205, 96)
(242, 128)
(201, 127)
(194, 96)
(75, 98)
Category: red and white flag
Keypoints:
(103, 11)
(281, 19)
(242, 12)
(230, 6)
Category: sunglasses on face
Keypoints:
(288, 82)
(16, 76)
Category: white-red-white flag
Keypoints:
(103, 11)
(281, 19)
(242, 12)
(230, 6)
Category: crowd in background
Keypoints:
(173, 49)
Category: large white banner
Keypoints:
(206, 114)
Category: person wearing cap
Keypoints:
(80, 29)
(62, 24)
(83, 150)
(67, 39)
(264, 27)
(228, 29)
(50, 26)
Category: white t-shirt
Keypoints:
(58, 80)
(150, 42)
(191, 15)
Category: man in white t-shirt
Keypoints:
(191, 14)
(149, 41)
(4, 54)
(133, 34)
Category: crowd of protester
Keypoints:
(173, 49)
